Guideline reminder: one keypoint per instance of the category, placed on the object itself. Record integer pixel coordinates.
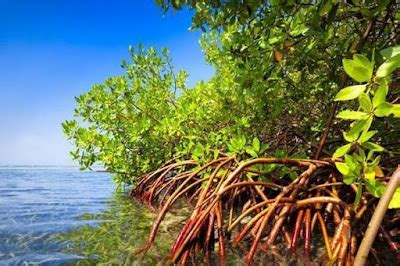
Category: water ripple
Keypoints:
(38, 203)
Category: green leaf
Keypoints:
(299, 30)
(343, 168)
(263, 148)
(369, 155)
(372, 146)
(369, 174)
(380, 93)
(366, 135)
(396, 110)
(250, 151)
(395, 202)
(351, 163)
(375, 162)
(359, 69)
(388, 67)
(356, 128)
(352, 115)
(198, 150)
(374, 187)
(361, 157)
(242, 141)
(350, 92)
(342, 150)
(349, 179)
(358, 196)
(216, 154)
(390, 52)
(350, 138)
(362, 61)
(365, 102)
(256, 145)
(383, 109)
(269, 168)
(325, 8)
(280, 153)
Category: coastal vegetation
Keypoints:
(292, 141)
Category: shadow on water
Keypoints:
(62, 216)
(123, 227)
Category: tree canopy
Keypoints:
(297, 84)
(278, 66)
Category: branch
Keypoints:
(342, 84)
(377, 218)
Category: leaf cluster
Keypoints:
(278, 67)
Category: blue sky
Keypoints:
(51, 51)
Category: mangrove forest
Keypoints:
(291, 146)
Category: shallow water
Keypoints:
(39, 204)
(63, 216)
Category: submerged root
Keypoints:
(235, 203)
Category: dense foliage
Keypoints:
(278, 67)
(294, 82)
(371, 95)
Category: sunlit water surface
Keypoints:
(55, 216)
(63, 216)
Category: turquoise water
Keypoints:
(38, 203)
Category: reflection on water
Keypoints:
(60, 215)
(123, 228)
(36, 203)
